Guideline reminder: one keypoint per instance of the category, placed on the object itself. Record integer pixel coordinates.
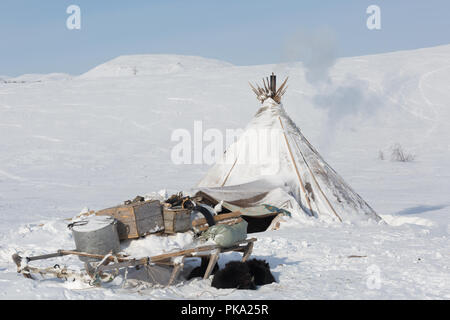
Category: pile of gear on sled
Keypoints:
(98, 237)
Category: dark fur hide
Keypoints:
(243, 275)
(260, 270)
(236, 274)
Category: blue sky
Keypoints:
(34, 37)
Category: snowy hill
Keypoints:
(152, 65)
(105, 136)
(36, 77)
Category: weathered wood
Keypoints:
(136, 219)
(140, 261)
(211, 251)
(280, 89)
(196, 250)
(217, 218)
(247, 251)
(295, 166)
(265, 86)
(118, 265)
(212, 262)
(269, 89)
(176, 270)
(176, 220)
(182, 252)
(227, 221)
(120, 258)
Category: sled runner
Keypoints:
(109, 265)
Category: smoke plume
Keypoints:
(341, 100)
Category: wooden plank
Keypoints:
(228, 222)
(168, 227)
(296, 169)
(93, 255)
(136, 219)
(217, 218)
(176, 270)
(194, 250)
(160, 257)
(149, 216)
(247, 251)
(182, 252)
(124, 214)
(176, 220)
(212, 262)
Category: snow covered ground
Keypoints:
(92, 141)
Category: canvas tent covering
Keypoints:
(272, 163)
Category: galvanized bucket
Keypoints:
(97, 235)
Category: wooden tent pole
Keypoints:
(295, 166)
(226, 178)
(318, 186)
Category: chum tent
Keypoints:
(272, 163)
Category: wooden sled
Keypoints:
(113, 263)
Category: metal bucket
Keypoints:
(97, 235)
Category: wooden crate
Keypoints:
(136, 219)
(176, 220)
